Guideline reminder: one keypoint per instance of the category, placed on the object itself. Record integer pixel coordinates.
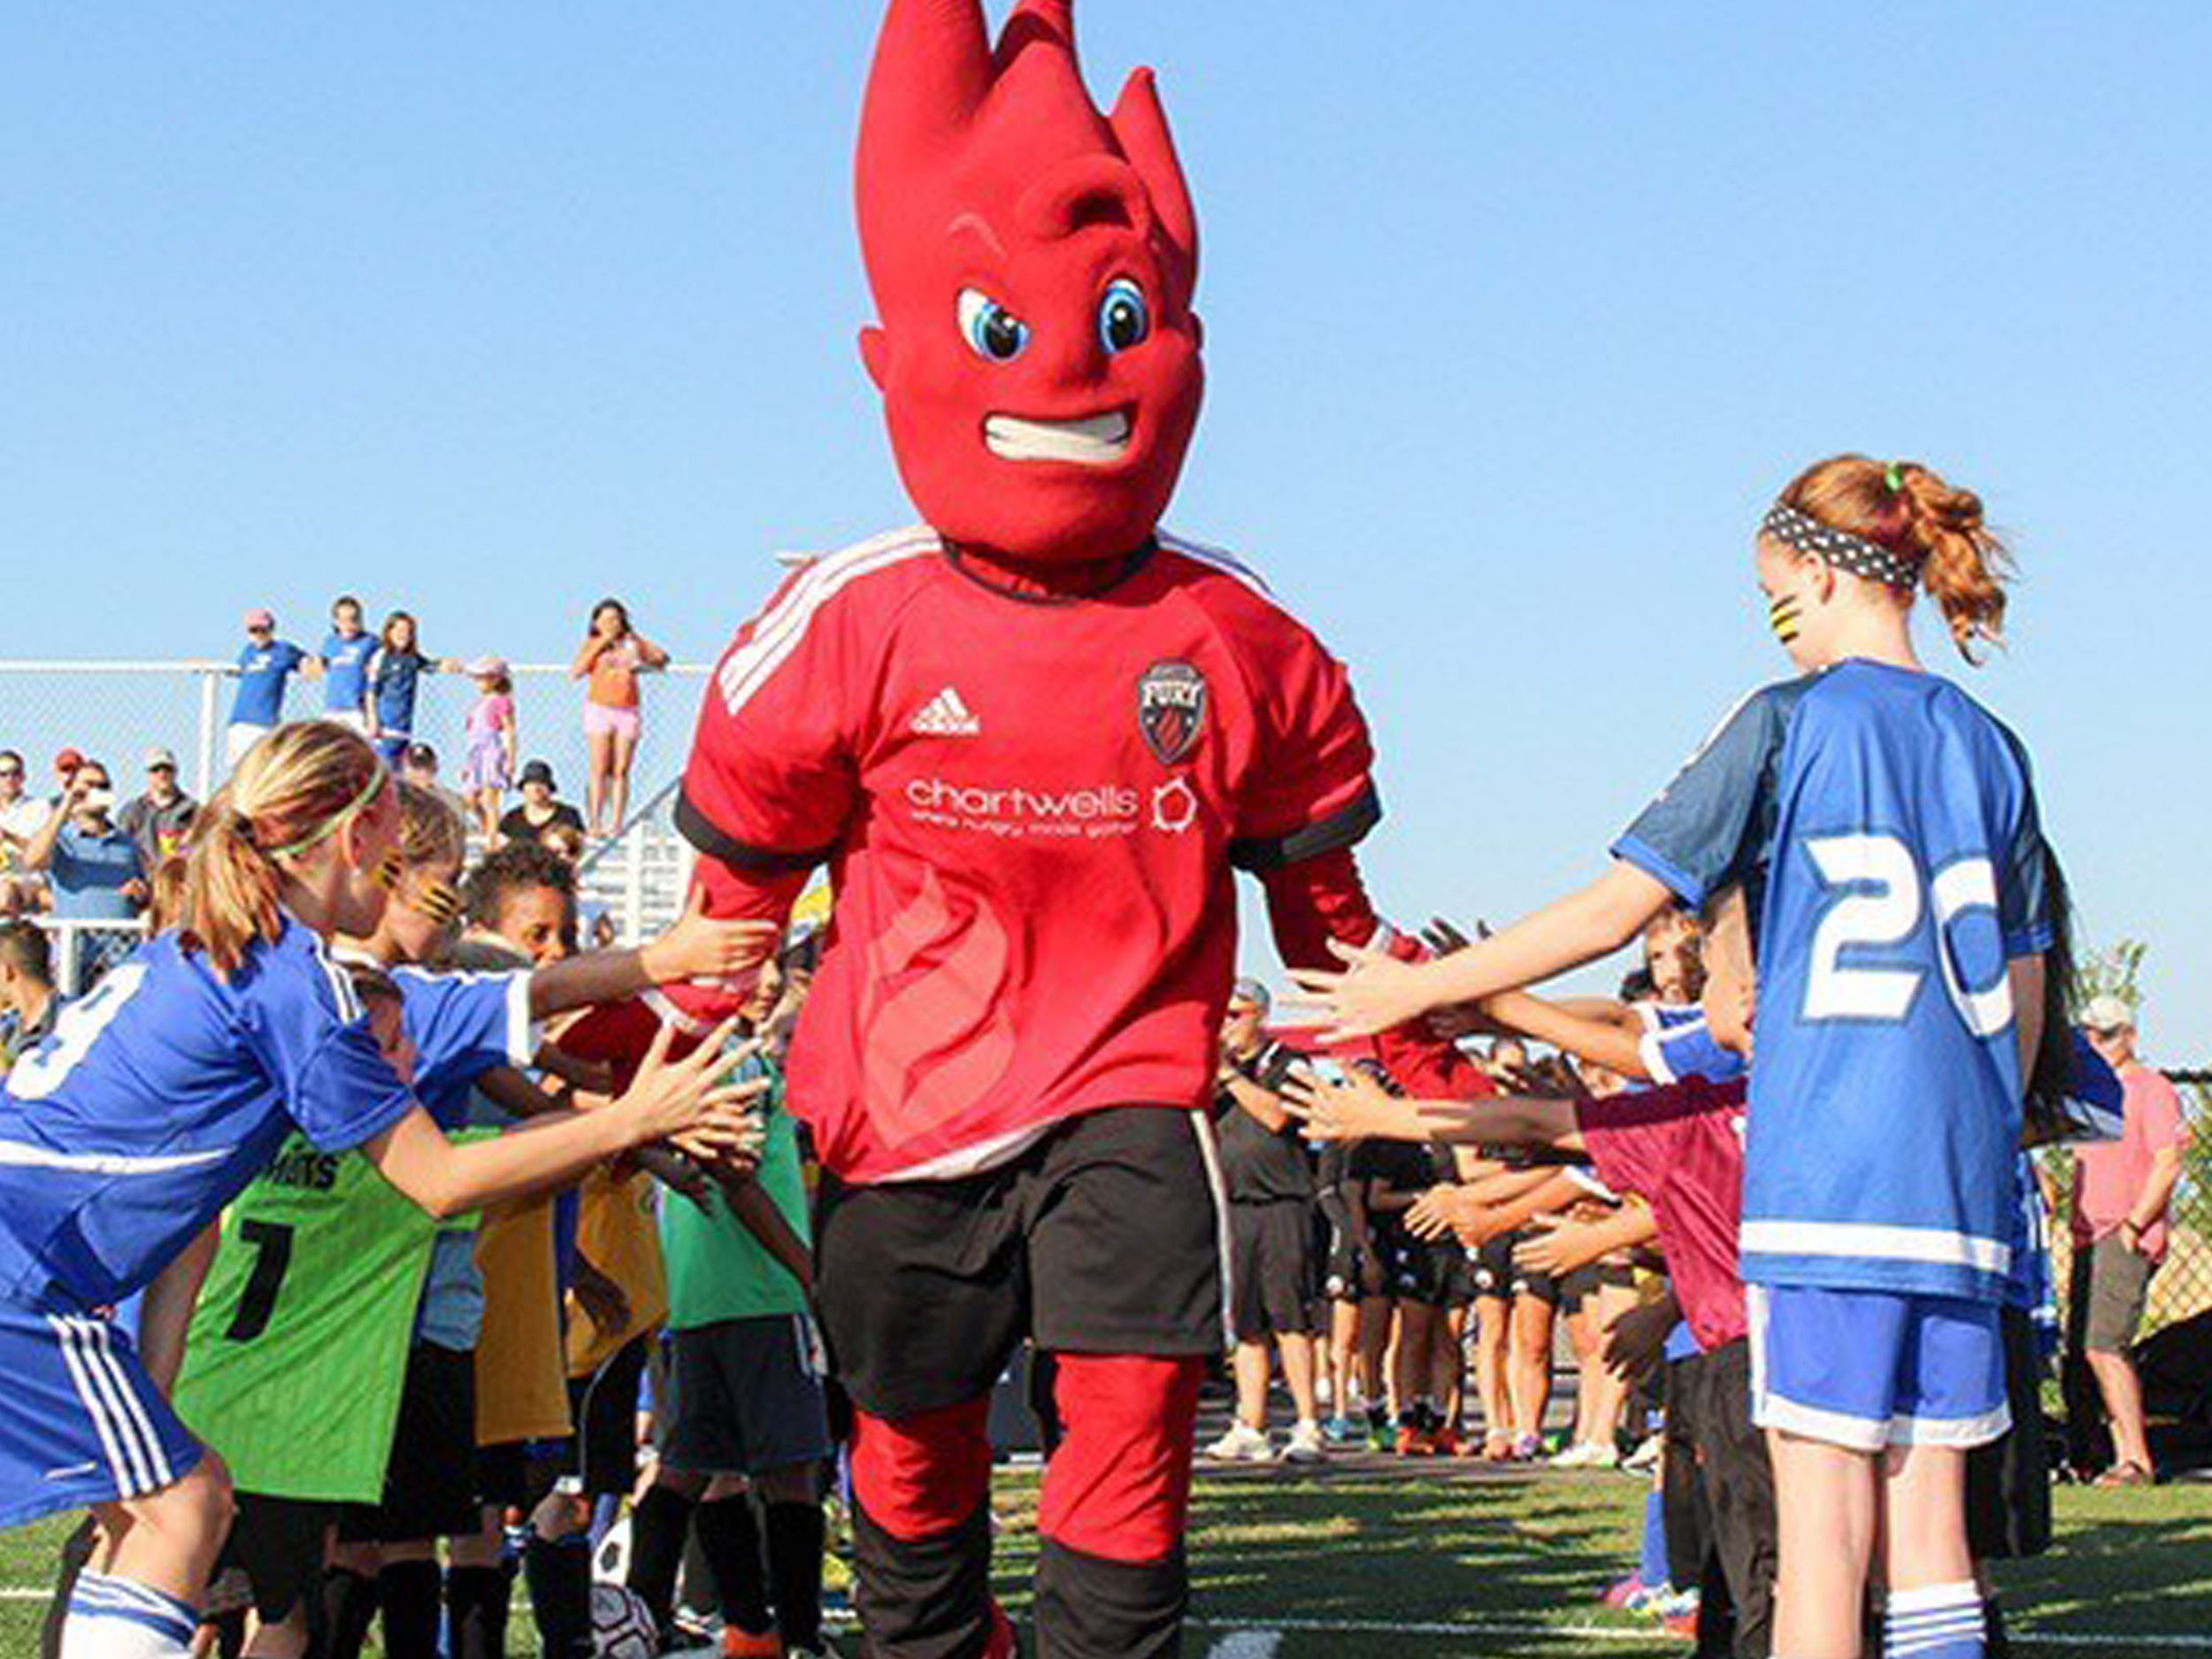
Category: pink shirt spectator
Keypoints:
(2109, 1177)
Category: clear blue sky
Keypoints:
(1516, 316)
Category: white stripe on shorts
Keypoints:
(104, 1337)
(126, 1469)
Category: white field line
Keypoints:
(1538, 1629)
(1254, 1641)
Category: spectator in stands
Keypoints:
(565, 842)
(264, 668)
(65, 765)
(419, 765)
(395, 667)
(613, 657)
(94, 865)
(22, 815)
(1273, 1243)
(345, 660)
(28, 1002)
(2122, 1190)
(539, 809)
(158, 819)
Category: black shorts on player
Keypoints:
(602, 1455)
(1583, 1283)
(1101, 1239)
(2008, 1481)
(1415, 1270)
(1713, 1392)
(744, 1396)
(431, 1481)
(1272, 1281)
(280, 1545)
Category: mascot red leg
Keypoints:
(1033, 737)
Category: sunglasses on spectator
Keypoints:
(10, 772)
(162, 766)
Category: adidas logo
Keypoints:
(945, 715)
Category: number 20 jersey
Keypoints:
(1886, 827)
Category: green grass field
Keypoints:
(1373, 1559)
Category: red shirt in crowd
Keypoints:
(1680, 1148)
(2109, 1177)
(1030, 809)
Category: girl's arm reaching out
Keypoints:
(1376, 992)
(1360, 1108)
(685, 1099)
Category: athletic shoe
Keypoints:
(1527, 1449)
(1646, 1457)
(1381, 1437)
(737, 1644)
(1681, 1626)
(1304, 1445)
(1672, 1605)
(1587, 1455)
(1415, 1441)
(1446, 1439)
(1497, 1447)
(1646, 1598)
(1242, 1444)
(1342, 1430)
(1621, 1592)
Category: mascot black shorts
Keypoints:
(1103, 1238)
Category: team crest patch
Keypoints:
(1171, 710)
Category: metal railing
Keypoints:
(116, 711)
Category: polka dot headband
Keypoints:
(1846, 552)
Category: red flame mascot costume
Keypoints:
(1033, 738)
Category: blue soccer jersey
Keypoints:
(1886, 828)
(346, 670)
(262, 671)
(159, 1096)
(460, 1025)
(392, 677)
(1677, 1043)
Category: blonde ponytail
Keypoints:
(289, 792)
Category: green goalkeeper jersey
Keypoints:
(297, 1349)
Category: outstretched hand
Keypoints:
(1353, 1107)
(691, 1102)
(698, 946)
(1374, 993)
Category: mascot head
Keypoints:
(1033, 262)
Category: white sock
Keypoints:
(119, 1619)
(1941, 1621)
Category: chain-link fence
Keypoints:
(115, 711)
(2182, 1288)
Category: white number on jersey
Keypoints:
(1887, 916)
(42, 1071)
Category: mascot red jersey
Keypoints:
(1032, 738)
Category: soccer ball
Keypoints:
(610, 1561)
(622, 1625)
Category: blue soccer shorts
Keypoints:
(80, 1421)
(1869, 1369)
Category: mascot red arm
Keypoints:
(1031, 737)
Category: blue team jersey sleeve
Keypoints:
(465, 1025)
(1673, 1052)
(1706, 831)
(288, 656)
(315, 1039)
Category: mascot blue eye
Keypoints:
(992, 332)
(1123, 319)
